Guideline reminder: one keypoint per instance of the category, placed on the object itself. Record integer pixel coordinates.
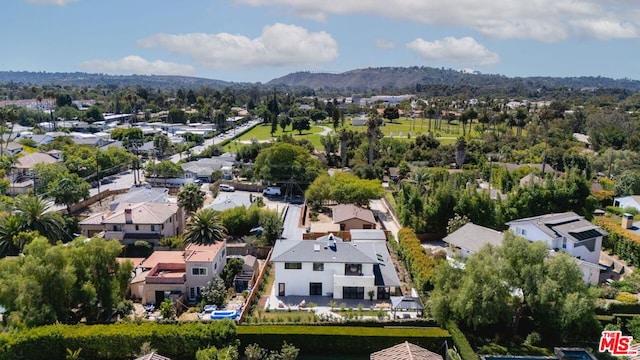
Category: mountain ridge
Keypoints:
(378, 79)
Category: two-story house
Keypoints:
(178, 273)
(331, 267)
(568, 232)
(202, 263)
(131, 222)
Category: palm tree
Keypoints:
(373, 124)
(36, 215)
(204, 227)
(191, 198)
(10, 227)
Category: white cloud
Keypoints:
(51, 2)
(278, 45)
(133, 64)
(465, 51)
(385, 44)
(543, 20)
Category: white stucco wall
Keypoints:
(332, 279)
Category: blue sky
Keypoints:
(258, 40)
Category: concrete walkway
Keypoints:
(386, 217)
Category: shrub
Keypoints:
(627, 298)
(533, 339)
(609, 292)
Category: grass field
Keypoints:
(403, 128)
(263, 133)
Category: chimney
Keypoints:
(627, 221)
(128, 219)
(332, 242)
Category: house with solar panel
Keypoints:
(567, 232)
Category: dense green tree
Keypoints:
(500, 284)
(163, 169)
(628, 183)
(284, 121)
(63, 283)
(176, 116)
(391, 113)
(93, 114)
(271, 222)
(284, 162)
(161, 143)
(343, 188)
(300, 123)
(215, 292)
(233, 268)
(204, 227)
(68, 190)
(191, 197)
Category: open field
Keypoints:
(263, 133)
(403, 128)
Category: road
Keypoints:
(125, 179)
(230, 134)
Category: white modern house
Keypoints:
(624, 202)
(470, 238)
(567, 232)
(331, 267)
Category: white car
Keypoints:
(272, 191)
(225, 187)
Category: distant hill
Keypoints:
(86, 79)
(412, 78)
(390, 80)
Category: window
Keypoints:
(353, 292)
(384, 293)
(564, 242)
(153, 228)
(353, 269)
(318, 266)
(521, 231)
(117, 227)
(293, 266)
(281, 289)
(192, 293)
(315, 288)
(199, 271)
(137, 227)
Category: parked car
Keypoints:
(272, 191)
(225, 187)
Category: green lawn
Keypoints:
(262, 133)
(403, 128)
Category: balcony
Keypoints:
(350, 280)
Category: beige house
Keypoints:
(350, 217)
(175, 274)
(131, 222)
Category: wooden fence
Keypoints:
(77, 207)
(255, 290)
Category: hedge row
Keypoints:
(618, 308)
(464, 348)
(116, 341)
(342, 340)
(418, 263)
(622, 242)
